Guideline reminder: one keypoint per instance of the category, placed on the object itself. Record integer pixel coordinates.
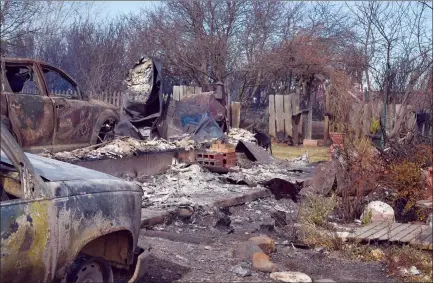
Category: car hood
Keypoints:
(54, 170)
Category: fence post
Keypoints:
(176, 90)
(197, 90)
(235, 113)
(287, 111)
(278, 104)
(272, 116)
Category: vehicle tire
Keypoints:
(106, 132)
(90, 269)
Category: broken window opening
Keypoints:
(58, 85)
(22, 80)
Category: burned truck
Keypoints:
(45, 109)
(65, 223)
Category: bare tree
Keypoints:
(400, 52)
(194, 39)
(16, 21)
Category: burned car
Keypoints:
(45, 110)
(65, 223)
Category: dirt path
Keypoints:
(184, 258)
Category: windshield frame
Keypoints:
(32, 184)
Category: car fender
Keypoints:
(102, 117)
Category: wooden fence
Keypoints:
(283, 122)
(179, 91)
(114, 98)
(280, 119)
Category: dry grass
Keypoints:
(315, 232)
(289, 152)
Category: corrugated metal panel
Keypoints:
(146, 164)
(254, 152)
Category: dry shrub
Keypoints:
(314, 230)
(315, 209)
(314, 237)
(404, 175)
(363, 169)
(399, 169)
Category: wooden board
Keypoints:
(309, 119)
(413, 235)
(235, 114)
(287, 110)
(189, 90)
(393, 232)
(403, 233)
(254, 152)
(280, 119)
(386, 231)
(418, 235)
(197, 90)
(376, 229)
(363, 230)
(272, 116)
(182, 92)
(300, 123)
(326, 128)
(176, 90)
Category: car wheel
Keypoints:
(87, 270)
(106, 133)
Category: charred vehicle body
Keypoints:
(44, 108)
(61, 222)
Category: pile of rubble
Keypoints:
(236, 134)
(193, 185)
(185, 185)
(122, 147)
(128, 146)
(263, 172)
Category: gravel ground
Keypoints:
(187, 261)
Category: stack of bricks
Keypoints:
(219, 155)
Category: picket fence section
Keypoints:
(179, 91)
(114, 98)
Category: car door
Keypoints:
(30, 110)
(74, 116)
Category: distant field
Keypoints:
(288, 152)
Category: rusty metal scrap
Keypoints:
(254, 152)
(143, 100)
(196, 117)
